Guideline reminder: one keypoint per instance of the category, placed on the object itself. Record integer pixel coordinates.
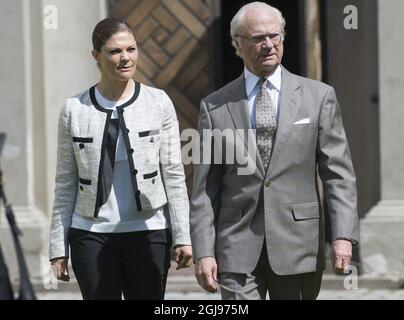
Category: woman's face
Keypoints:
(118, 57)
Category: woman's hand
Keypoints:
(183, 256)
(60, 269)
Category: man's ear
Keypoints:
(235, 45)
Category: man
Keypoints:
(261, 233)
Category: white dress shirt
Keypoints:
(252, 89)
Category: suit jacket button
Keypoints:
(126, 131)
(81, 145)
(134, 172)
(153, 181)
(267, 184)
(130, 151)
(81, 188)
(152, 139)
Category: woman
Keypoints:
(120, 199)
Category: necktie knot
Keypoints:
(263, 83)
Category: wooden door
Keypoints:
(175, 39)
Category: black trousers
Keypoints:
(108, 265)
(304, 286)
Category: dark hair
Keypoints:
(107, 28)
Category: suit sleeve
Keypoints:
(336, 170)
(205, 194)
(65, 189)
(173, 176)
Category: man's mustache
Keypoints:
(265, 54)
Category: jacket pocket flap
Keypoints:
(85, 181)
(229, 214)
(150, 175)
(148, 133)
(83, 140)
(306, 211)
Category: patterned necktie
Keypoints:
(266, 122)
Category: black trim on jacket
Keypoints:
(101, 165)
(148, 133)
(83, 140)
(126, 104)
(86, 182)
(104, 144)
(150, 175)
(129, 150)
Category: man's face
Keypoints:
(261, 58)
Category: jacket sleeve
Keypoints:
(205, 200)
(336, 170)
(172, 172)
(65, 189)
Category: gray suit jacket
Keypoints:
(232, 214)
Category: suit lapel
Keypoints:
(289, 104)
(238, 104)
(240, 114)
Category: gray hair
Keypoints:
(238, 18)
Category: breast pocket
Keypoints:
(147, 146)
(302, 128)
(302, 133)
(149, 136)
(301, 143)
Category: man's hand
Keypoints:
(341, 255)
(206, 273)
(59, 267)
(183, 256)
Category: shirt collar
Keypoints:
(251, 80)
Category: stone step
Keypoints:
(184, 281)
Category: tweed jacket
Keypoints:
(150, 131)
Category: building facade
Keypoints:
(354, 45)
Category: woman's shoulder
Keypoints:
(151, 91)
(80, 99)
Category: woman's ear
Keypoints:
(96, 55)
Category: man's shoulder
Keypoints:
(315, 84)
(224, 94)
(310, 84)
